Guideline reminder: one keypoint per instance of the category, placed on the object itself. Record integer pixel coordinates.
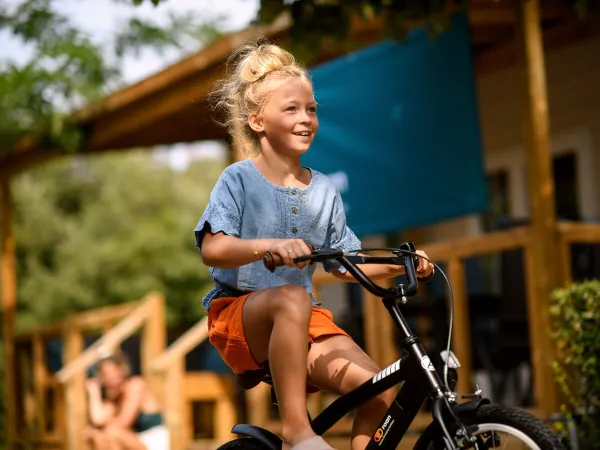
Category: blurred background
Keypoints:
(469, 127)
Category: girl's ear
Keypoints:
(256, 122)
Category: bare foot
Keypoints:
(312, 443)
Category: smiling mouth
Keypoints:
(302, 133)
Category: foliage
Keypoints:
(576, 316)
(67, 69)
(325, 24)
(98, 231)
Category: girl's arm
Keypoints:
(226, 252)
(99, 411)
(385, 271)
(131, 404)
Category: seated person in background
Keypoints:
(124, 413)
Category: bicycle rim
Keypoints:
(500, 436)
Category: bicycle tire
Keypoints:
(521, 420)
(242, 444)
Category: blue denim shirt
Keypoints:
(245, 204)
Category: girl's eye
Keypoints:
(312, 110)
(291, 108)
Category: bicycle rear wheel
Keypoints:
(242, 444)
(499, 427)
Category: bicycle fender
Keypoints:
(469, 407)
(433, 430)
(265, 437)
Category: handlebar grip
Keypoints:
(272, 261)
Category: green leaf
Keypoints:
(68, 70)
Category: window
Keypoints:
(498, 199)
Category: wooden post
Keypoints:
(543, 261)
(461, 331)
(154, 341)
(175, 404)
(9, 301)
(40, 381)
(379, 329)
(74, 389)
(225, 412)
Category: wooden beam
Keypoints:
(9, 303)
(215, 53)
(542, 261)
(174, 405)
(461, 330)
(489, 13)
(109, 341)
(470, 246)
(98, 318)
(154, 341)
(182, 346)
(506, 54)
(108, 129)
(40, 382)
(74, 390)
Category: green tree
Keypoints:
(67, 69)
(96, 231)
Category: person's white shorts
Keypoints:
(156, 438)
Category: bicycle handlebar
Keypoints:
(404, 257)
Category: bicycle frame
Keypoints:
(415, 370)
(420, 382)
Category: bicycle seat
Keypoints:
(251, 379)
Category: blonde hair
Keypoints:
(253, 72)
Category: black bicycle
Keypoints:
(473, 424)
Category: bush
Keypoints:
(576, 328)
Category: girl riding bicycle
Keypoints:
(270, 203)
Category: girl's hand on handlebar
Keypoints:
(425, 268)
(288, 249)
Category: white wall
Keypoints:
(573, 80)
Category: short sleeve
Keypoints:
(340, 236)
(224, 210)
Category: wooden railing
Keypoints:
(574, 233)
(67, 387)
(171, 365)
(453, 254)
(149, 315)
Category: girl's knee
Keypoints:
(113, 432)
(292, 300)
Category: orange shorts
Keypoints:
(226, 332)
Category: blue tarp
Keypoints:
(399, 131)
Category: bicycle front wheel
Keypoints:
(499, 427)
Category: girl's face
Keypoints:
(111, 375)
(289, 119)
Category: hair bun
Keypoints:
(260, 60)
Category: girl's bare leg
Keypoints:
(276, 322)
(337, 364)
(100, 440)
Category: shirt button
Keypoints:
(295, 210)
(293, 192)
(294, 230)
